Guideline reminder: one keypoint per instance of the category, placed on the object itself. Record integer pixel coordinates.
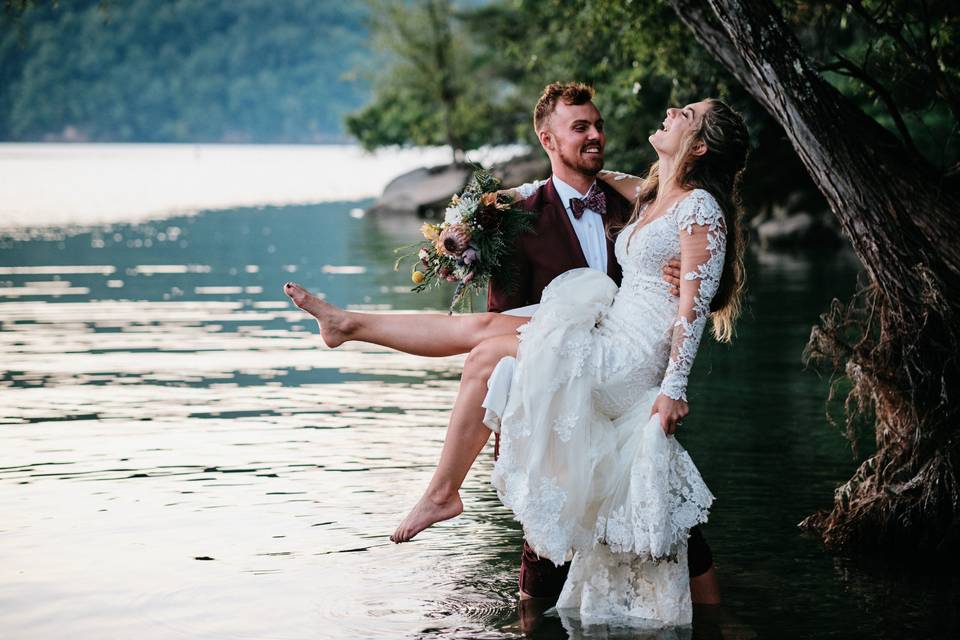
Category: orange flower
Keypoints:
(430, 232)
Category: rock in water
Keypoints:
(796, 230)
(422, 191)
(522, 169)
(427, 191)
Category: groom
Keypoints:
(575, 211)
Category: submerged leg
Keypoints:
(466, 437)
(420, 334)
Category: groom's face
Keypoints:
(574, 136)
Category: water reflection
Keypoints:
(181, 457)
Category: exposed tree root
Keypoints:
(902, 369)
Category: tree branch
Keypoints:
(883, 27)
(925, 59)
(874, 187)
(849, 68)
(944, 85)
(700, 20)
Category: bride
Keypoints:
(587, 463)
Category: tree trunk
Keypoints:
(438, 13)
(898, 342)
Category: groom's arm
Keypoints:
(498, 300)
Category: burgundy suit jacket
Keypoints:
(552, 247)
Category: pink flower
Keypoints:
(455, 239)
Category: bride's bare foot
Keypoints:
(335, 326)
(425, 513)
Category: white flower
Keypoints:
(461, 207)
(453, 215)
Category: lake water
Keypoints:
(180, 456)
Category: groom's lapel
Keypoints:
(553, 206)
(617, 211)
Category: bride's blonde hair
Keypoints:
(718, 171)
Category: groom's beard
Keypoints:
(587, 165)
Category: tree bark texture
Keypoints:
(898, 342)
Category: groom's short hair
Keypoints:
(567, 92)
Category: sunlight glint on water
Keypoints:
(181, 457)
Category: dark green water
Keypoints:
(162, 403)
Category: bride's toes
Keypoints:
(297, 294)
(333, 322)
(425, 513)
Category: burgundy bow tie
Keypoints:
(595, 201)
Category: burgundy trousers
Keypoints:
(541, 578)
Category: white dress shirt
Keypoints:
(589, 228)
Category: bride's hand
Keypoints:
(672, 412)
(625, 184)
(513, 194)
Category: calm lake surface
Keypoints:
(181, 457)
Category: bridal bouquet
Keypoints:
(473, 244)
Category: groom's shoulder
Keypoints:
(619, 206)
(544, 196)
(613, 196)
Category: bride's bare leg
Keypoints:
(466, 437)
(421, 334)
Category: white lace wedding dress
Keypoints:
(583, 465)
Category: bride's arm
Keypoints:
(524, 191)
(702, 249)
(623, 183)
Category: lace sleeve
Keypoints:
(528, 189)
(702, 248)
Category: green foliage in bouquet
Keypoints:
(474, 244)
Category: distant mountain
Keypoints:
(182, 71)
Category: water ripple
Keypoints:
(180, 456)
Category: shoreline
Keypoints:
(92, 184)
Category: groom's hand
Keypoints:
(671, 275)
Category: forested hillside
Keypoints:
(184, 70)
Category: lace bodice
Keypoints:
(694, 228)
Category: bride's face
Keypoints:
(679, 123)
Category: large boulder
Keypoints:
(421, 191)
(427, 191)
(796, 230)
(526, 168)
